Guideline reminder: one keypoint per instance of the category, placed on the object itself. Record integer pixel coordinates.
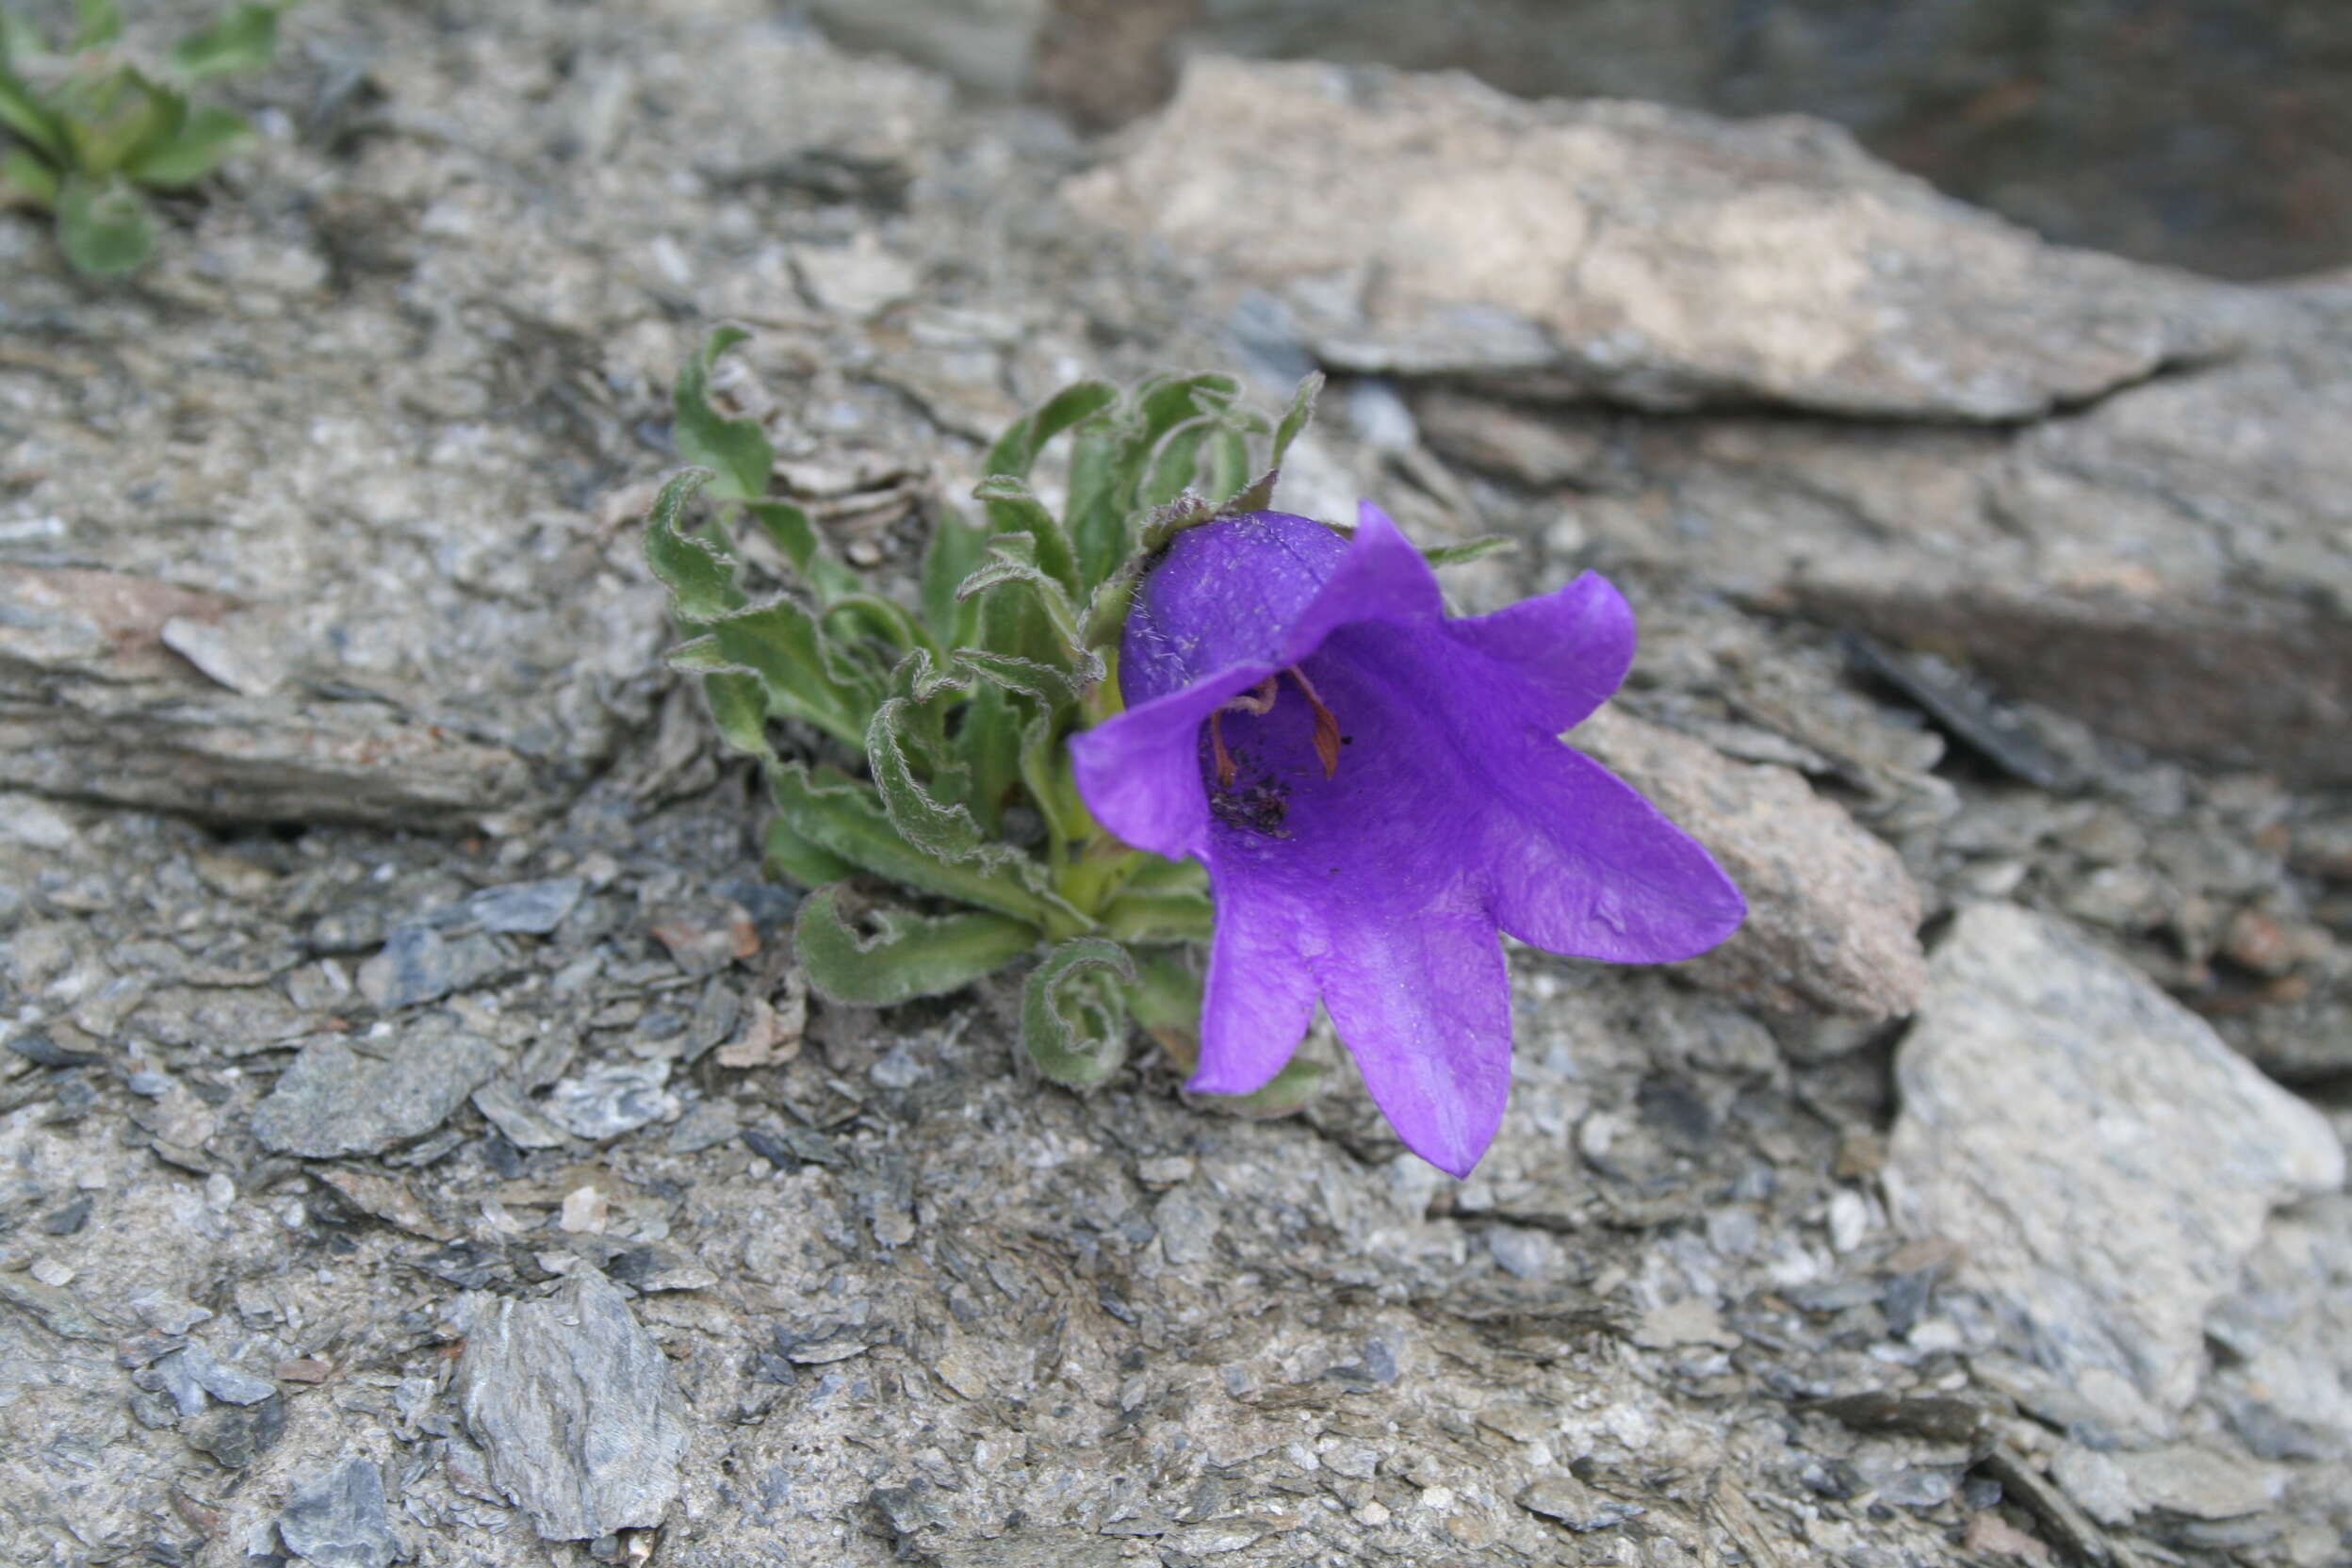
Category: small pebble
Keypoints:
(56, 1276)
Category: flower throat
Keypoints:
(1259, 700)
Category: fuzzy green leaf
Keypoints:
(847, 819)
(209, 137)
(739, 706)
(795, 537)
(25, 180)
(805, 675)
(942, 829)
(103, 225)
(97, 24)
(1013, 510)
(700, 578)
(1177, 464)
(736, 450)
(1074, 1014)
(1016, 452)
(244, 39)
(906, 956)
(792, 859)
(1008, 572)
(956, 550)
(24, 115)
(1030, 678)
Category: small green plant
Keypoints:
(90, 127)
(923, 784)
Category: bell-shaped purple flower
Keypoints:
(1378, 791)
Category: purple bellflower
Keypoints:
(1376, 792)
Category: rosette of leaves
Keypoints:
(88, 129)
(917, 752)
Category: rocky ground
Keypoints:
(419, 1146)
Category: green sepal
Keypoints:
(736, 450)
(700, 578)
(846, 819)
(1016, 452)
(24, 115)
(1258, 495)
(1155, 918)
(1073, 1013)
(103, 225)
(25, 180)
(244, 39)
(1468, 551)
(210, 138)
(790, 857)
(1301, 1080)
(908, 954)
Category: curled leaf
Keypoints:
(1073, 1011)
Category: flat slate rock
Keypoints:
(337, 1099)
(2104, 1162)
(575, 1407)
(338, 1520)
(1430, 225)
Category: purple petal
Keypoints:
(1579, 863)
(1422, 999)
(1260, 996)
(1140, 773)
(1570, 648)
(1381, 578)
(1226, 593)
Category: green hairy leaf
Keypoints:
(735, 450)
(906, 956)
(1073, 1011)
(244, 39)
(951, 710)
(209, 137)
(103, 225)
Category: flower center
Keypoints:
(1259, 700)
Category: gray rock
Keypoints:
(1832, 916)
(110, 711)
(336, 1100)
(419, 965)
(338, 1519)
(194, 1367)
(1433, 226)
(613, 1097)
(530, 908)
(575, 1407)
(2286, 1384)
(236, 1435)
(515, 1116)
(2103, 1160)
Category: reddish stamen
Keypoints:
(1217, 746)
(1325, 727)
